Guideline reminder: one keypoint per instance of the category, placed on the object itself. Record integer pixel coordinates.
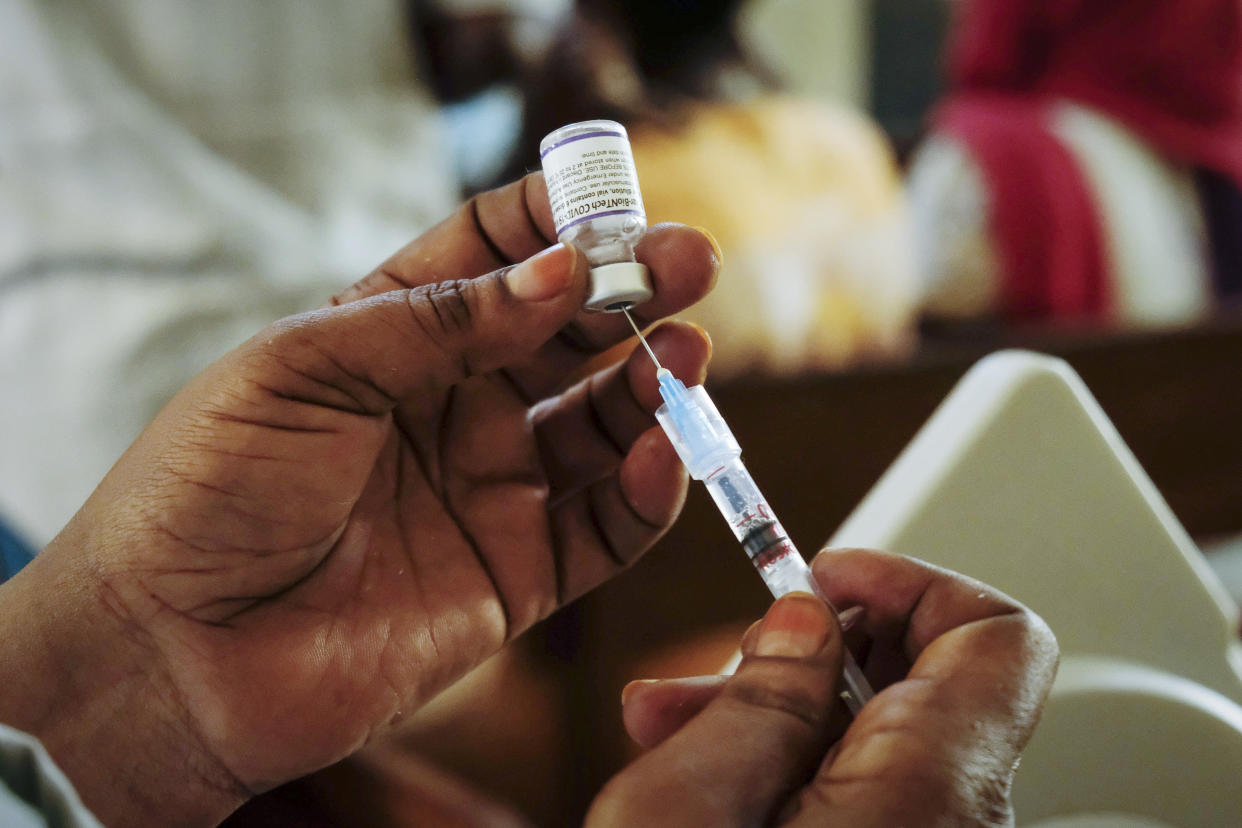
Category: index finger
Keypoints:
(905, 595)
(948, 735)
(492, 230)
(512, 223)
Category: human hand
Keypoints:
(962, 670)
(341, 517)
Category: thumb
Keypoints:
(754, 743)
(364, 356)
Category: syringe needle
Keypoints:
(642, 338)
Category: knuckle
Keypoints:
(782, 700)
(966, 784)
(971, 798)
(990, 802)
(1036, 648)
(946, 796)
(1040, 636)
(444, 309)
(283, 340)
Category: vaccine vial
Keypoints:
(597, 207)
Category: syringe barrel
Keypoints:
(711, 453)
(754, 524)
(778, 561)
(739, 500)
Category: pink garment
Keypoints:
(1169, 70)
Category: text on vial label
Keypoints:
(591, 175)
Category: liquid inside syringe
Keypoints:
(755, 526)
(711, 453)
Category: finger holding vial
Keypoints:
(597, 207)
(588, 197)
(591, 199)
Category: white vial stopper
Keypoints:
(617, 286)
(598, 208)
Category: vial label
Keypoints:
(591, 175)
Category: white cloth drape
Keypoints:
(174, 175)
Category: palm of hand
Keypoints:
(314, 548)
(365, 561)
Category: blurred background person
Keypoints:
(802, 194)
(173, 176)
(1086, 163)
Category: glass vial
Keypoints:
(597, 207)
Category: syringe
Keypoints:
(711, 453)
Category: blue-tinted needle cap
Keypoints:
(697, 431)
(690, 419)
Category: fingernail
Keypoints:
(824, 558)
(715, 244)
(543, 276)
(795, 627)
(629, 689)
(848, 618)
